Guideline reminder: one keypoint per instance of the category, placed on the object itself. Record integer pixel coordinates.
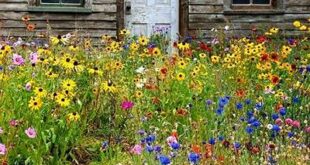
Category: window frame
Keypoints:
(38, 6)
(81, 3)
(274, 7)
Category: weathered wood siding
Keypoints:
(204, 15)
(103, 19)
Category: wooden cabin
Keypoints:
(94, 18)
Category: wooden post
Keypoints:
(183, 20)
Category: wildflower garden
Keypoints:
(148, 100)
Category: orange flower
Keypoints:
(31, 27)
(181, 112)
(240, 93)
(26, 18)
(174, 133)
(275, 79)
(196, 148)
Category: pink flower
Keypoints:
(31, 132)
(296, 124)
(307, 129)
(28, 86)
(2, 149)
(18, 59)
(279, 121)
(33, 57)
(171, 139)
(137, 149)
(288, 121)
(127, 105)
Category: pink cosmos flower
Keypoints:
(171, 139)
(279, 121)
(127, 105)
(307, 129)
(296, 124)
(31, 132)
(2, 149)
(18, 59)
(288, 121)
(33, 57)
(28, 86)
(137, 149)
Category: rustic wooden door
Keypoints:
(143, 17)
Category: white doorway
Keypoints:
(144, 17)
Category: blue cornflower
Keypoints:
(219, 111)
(223, 101)
(193, 158)
(150, 139)
(247, 101)
(221, 138)
(208, 102)
(275, 116)
(275, 128)
(164, 160)
(250, 114)
(157, 149)
(255, 124)
(149, 148)
(290, 134)
(237, 145)
(251, 120)
(104, 145)
(282, 111)
(258, 105)
(295, 100)
(175, 145)
(212, 141)
(249, 130)
(239, 106)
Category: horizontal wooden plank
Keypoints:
(108, 8)
(13, 1)
(238, 26)
(103, 1)
(297, 2)
(18, 32)
(13, 7)
(206, 8)
(297, 9)
(64, 24)
(205, 2)
(58, 16)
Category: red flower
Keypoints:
(264, 57)
(261, 39)
(164, 70)
(274, 56)
(204, 47)
(196, 148)
(275, 79)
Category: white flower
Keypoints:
(140, 70)
(226, 27)
(269, 126)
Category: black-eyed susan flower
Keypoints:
(67, 62)
(108, 86)
(58, 40)
(138, 94)
(274, 30)
(35, 103)
(297, 24)
(183, 46)
(156, 52)
(87, 43)
(202, 55)
(215, 59)
(125, 32)
(62, 100)
(68, 84)
(182, 64)
(73, 117)
(51, 74)
(40, 92)
(95, 70)
(143, 40)
(180, 76)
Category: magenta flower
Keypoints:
(31, 132)
(137, 149)
(288, 121)
(127, 105)
(18, 59)
(2, 149)
(296, 124)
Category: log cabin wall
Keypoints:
(101, 20)
(203, 15)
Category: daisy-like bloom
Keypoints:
(117, 65)
(18, 59)
(59, 39)
(68, 93)
(73, 48)
(87, 43)
(143, 40)
(26, 18)
(33, 57)
(180, 76)
(73, 117)
(297, 24)
(202, 55)
(35, 103)
(51, 74)
(138, 94)
(183, 46)
(67, 62)
(215, 59)
(303, 27)
(156, 52)
(31, 132)
(2, 149)
(182, 64)
(125, 32)
(108, 86)
(31, 27)
(62, 100)
(274, 30)
(126, 105)
(68, 84)
(40, 92)
(134, 47)
(95, 70)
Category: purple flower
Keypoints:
(126, 105)
(2, 149)
(18, 59)
(137, 149)
(31, 132)
(33, 57)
